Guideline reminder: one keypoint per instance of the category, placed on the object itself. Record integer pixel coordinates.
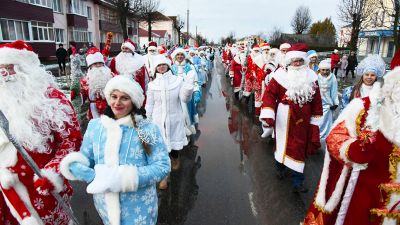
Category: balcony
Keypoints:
(11, 9)
(74, 20)
(109, 27)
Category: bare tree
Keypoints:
(125, 9)
(389, 9)
(357, 13)
(149, 13)
(275, 35)
(301, 20)
(178, 25)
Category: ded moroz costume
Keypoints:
(43, 121)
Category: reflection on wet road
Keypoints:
(227, 174)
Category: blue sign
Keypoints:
(376, 33)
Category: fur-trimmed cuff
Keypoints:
(71, 158)
(316, 120)
(267, 112)
(345, 148)
(30, 221)
(56, 180)
(7, 179)
(129, 178)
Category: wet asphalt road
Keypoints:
(227, 174)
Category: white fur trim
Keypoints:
(259, 61)
(196, 118)
(114, 137)
(294, 165)
(160, 59)
(176, 51)
(349, 115)
(24, 195)
(284, 46)
(267, 113)
(344, 148)
(94, 58)
(15, 56)
(30, 221)
(128, 45)
(325, 64)
(333, 201)
(126, 85)
(129, 178)
(152, 48)
(55, 179)
(113, 208)
(70, 158)
(315, 120)
(293, 55)
(7, 179)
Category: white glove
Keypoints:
(107, 179)
(267, 131)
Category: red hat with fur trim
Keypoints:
(152, 45)
(128, 43)
(265, 46)
(256, 48)
(296, 51)
(18, 52)
(93, 55)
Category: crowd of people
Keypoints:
(142, 112)
(296, 98)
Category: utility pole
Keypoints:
(187, 24)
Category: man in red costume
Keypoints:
(97, 77)
(261, 61)
(238, 67)
(43, 121)
(292, 105)
(360, 182)
(127, 62)
(251, 74)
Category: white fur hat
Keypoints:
(160, 59)
(127, 85)
(129, 44)
(93, 55)
(178, 50)
(297, 51)
(284, 46)
(325, 64)
(18, 52)
(152, 45)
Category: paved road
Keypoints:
(227, 174)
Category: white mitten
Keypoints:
(267, 131)
(106, 177)
(7, 179)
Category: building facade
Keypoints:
(46, 23)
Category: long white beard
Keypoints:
(98, 78)
(280, 59)
(300, 88)
(254, 55)
(266, 57)
(32, 115)
(125, 63)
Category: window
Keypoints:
(42, 31)
(11, 30)
(390, 52)
(44, 3)
(59, 35)
(57, 6)
(108, 15)
(89, 12)
(80, 35)
(77, 7)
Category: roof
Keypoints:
(154, 33)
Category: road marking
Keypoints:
(252, 205)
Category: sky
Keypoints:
(217, 18)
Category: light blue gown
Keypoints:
(328, 88)
(140, 207)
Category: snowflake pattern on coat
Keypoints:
(140, 207)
